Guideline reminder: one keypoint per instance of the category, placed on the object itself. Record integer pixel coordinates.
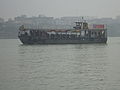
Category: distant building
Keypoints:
(1, 20)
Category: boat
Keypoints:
(80, 34)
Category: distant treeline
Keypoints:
(9, 28)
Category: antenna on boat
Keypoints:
(83, 19)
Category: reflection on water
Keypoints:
(60, 67)
(65, 67)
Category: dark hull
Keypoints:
(28, 40)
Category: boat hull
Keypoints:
(28, 40)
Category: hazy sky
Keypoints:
(59, 8)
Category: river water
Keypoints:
(60, 67)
